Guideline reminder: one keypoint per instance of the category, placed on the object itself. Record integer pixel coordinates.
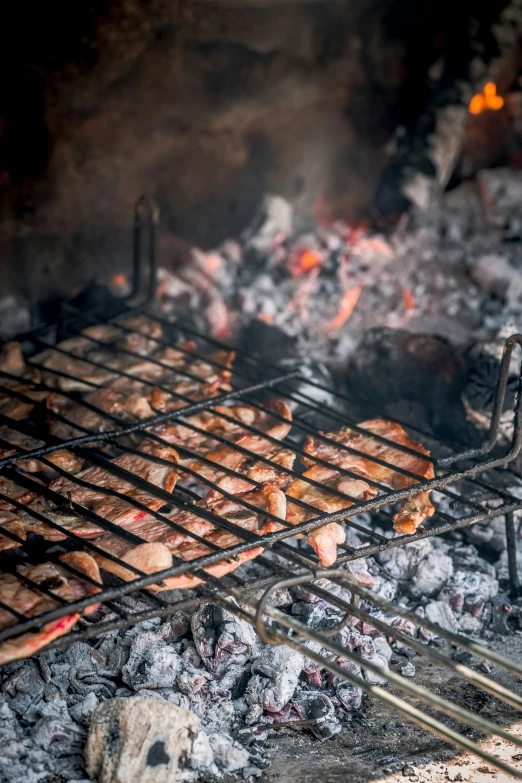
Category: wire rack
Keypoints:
(466, 484)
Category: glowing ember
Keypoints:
(266, 317)
(304, 262)
(487, 99)
(348, 303)
(409, 301)
(118, 280)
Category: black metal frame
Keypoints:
(471, 470)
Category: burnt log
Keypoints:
(426, 148)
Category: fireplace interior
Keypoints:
(260, 410)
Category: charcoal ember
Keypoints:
(501, 565)
(467, 558)
(482, 372)
(496, 275)
(379, 653)
(222, 639)
(500, 615)
(152, 663)
(190, 654)
(391, 366)
(431, 574)
(479, 586)
(82, 711)
(24, 688)
(469, 624)
(408, 670)
(214, 708)
(273, 220)
(275, 676)
(191, 680)
(235, 679)
(312, 615)
(202, 755)
(229, 755)
(180, 625)
(318, 707)
(59, 737)
(139, 740)
(350, 696)
(401, 562)
(440, 613)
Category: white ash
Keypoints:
(212, 663)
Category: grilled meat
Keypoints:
(413, 510)
(254, 471)
(324, 540)
(66, 460)
(28, 601)
(12, 524)
(95, 497)
(164, 543)
(11, 358)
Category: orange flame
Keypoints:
(305, 262)
(409, 301)
(348, 303)
(266, 317)
(487, 99)
(118, 280)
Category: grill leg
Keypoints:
(511, 538)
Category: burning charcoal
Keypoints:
(311, 615)
(273, 220)
(229, 756)
(500, 613)
(59, 737)
(82, 711)
(475, 584)
(380, 655)
(190, 655)
(408, 670)
(401, 563)
(152, 663)
(191, 680)
(235, 679)
(180, 625)
(319, 707)
(349, 695)
(23, 688)
(139, 740)
(440, 613)
(431, 574)
(469, 624)
(222, 639)
(275, 676)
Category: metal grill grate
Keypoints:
(464, 480)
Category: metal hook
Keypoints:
(146, 215)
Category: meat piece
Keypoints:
(213, 423)
(11, 358)
(412, 511)
(157, 553)
(13, 407)
(16, 492)
(11, 523)
(32, 603)
(324, 540)
(66, 460)
(117, 510)
(258, 472)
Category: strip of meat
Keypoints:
(251, 468)
(31, 603)
(157, 554)
(113, 509)
(14, 408)
(66, 460)
(413, 510)
(11, 358)
(324, 540)
(12, 524)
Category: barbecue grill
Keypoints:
(466, 482)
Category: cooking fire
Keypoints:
(260, 466)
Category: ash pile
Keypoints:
(214, 692)
(453, 271)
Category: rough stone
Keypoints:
(139, 740)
